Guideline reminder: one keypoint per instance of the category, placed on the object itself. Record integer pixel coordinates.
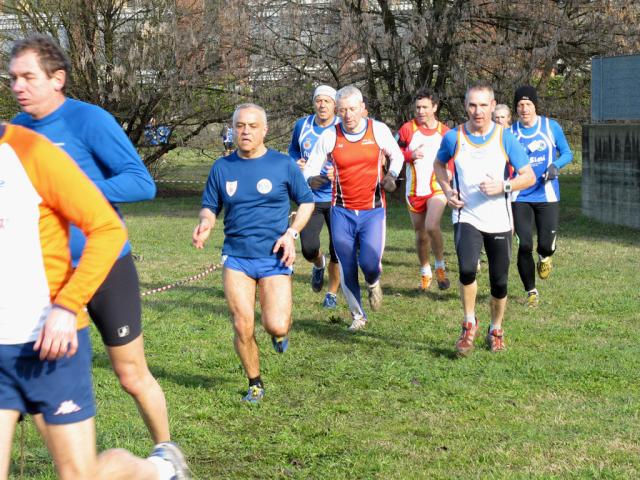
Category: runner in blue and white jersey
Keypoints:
(548, 151)
(482, 153)
(306, 132)
(254, 185)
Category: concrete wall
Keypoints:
(614, 84)
(611, 173)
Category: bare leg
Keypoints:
(130, 366)
(240, 292)
(8, 420)
(334, 277)
(422, 237)
(498, 307)
(73, 448)
(275, 300)
(318, 260)
(435, 209)
(468, 297)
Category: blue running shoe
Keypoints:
(330, 301)
(170, 452)
(254, 395)
(280, 344)
(317, 277)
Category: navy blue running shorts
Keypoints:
(61, 390)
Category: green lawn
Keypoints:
(391, 401)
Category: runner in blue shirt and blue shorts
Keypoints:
(254, 186)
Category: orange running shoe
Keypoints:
(441, 278)
(495, 340)
(425, 282)
(464, 345)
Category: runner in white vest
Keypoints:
(482, 151)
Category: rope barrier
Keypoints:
(198, 182)
(184, 281)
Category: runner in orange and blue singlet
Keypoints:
(357, 149)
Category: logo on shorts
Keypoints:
(232, 187)
(67, 407)
(123, 331)
(264, 186)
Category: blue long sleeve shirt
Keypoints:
(96, 142)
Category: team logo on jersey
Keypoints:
(367, 141)
(307, 144)
(264, 186)
(232, 187)
(537, 146)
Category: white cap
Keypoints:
(325, 90)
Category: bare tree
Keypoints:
(140, 60)
(392, 48)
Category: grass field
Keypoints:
(391, 401)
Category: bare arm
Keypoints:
(525, 179)
(442, 175)
(286, 242)
(207, 220)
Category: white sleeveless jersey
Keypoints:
(421, 180)
(473, 164)
(24, 294)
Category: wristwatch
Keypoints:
(507, 186)
(293, 232)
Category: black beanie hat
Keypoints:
(525, 92)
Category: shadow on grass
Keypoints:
(433, 294)
(181, 378)
(337, 331)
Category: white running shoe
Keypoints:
(359, 322)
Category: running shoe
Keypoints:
(544, 268)
(375, 296)
(254, 394)
(532, 299)
(330, 301)
(425, 282)
(464, 345)
(170, 452)
(495, 340)
(358, 323)
(317, 278)
(441, 278)
(280, 344)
